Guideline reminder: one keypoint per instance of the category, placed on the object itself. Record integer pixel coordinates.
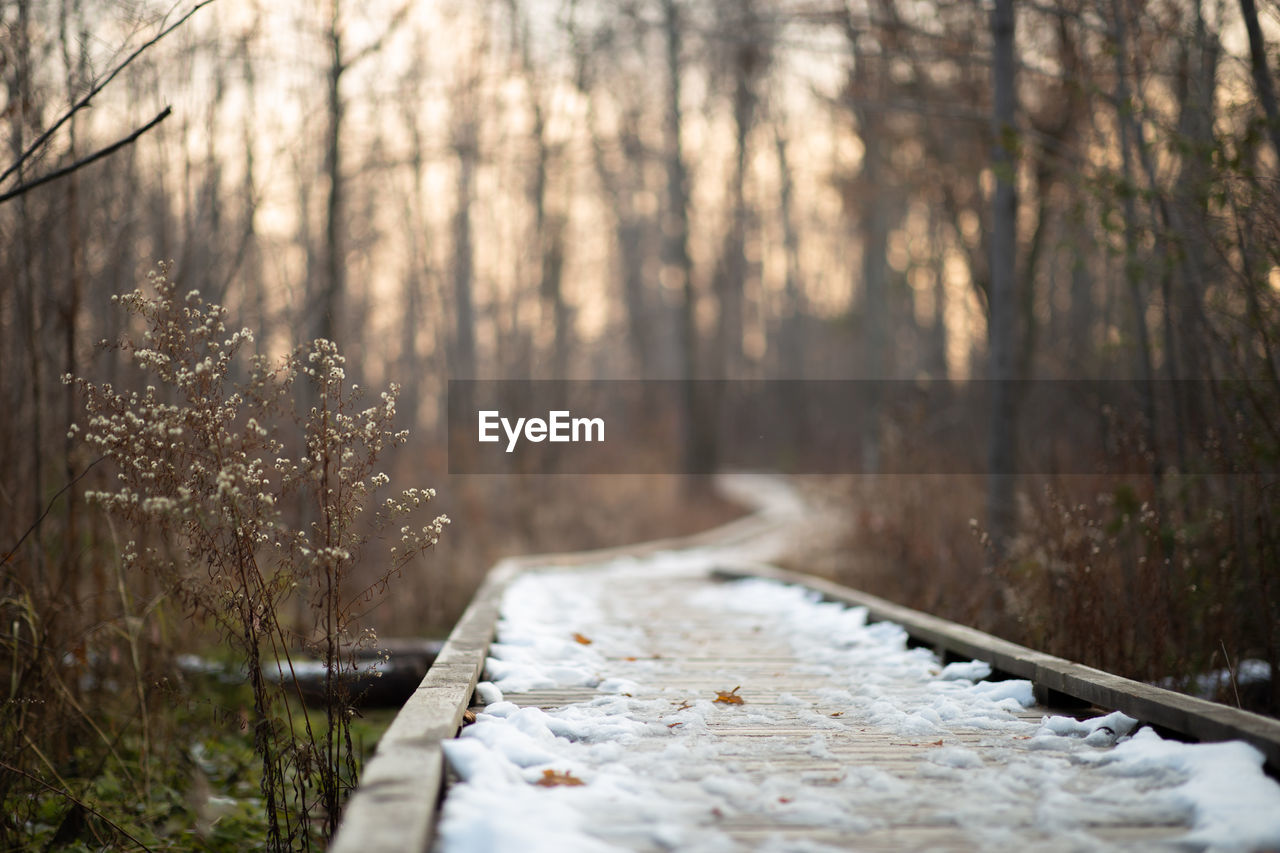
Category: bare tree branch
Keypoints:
(76, 802)
(85, 161)
(376, 45)
(49, 509)
(93, 92)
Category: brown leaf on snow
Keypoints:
(729, 698)
(581, 639)
(552, 779)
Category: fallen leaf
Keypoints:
(552, 779)
(683, 706)
(468, 717)
(673, 725)
(581, 639)
(784, 800)
(838, 714)
(629, 658)
(729, 698)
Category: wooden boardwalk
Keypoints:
(689, 651)
(808, 769)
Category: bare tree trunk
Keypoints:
(305, 317)
(1261, 73)
(464, 349)
(1055, 127)
(873, 215)
(250, 265)
(1001, 316)
(936, 364)
(548, 236)
(1129, 136)
(335, 268)
(791, 343)
(632, 231)
(699, 412)
(1132, 266)
(747, 63)
(629, 227)
(416, 273)
(75, 69)
(790, 330)
(1026, 328)
(1193, 185)
(549, 239)
(1082, 316)
(205, 241)
(20, 95)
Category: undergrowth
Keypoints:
(246, 492)
(1167, 583)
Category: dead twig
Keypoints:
(76, 801)
(94, 90)
(85, 161)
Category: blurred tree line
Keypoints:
(906, 189)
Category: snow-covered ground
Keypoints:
(844, 736)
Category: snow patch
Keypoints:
(663, 769)
(974, 670)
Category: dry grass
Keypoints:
(1102, 572)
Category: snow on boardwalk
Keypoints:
(602, 731)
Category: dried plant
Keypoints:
(241, 503)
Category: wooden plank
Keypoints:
(394, 808)
(1188, 716)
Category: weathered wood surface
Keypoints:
(394, 808)
(693, 654)
(1055, 678)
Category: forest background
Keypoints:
(909, 190)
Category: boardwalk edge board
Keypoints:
(395, 804)
(1176, 713)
